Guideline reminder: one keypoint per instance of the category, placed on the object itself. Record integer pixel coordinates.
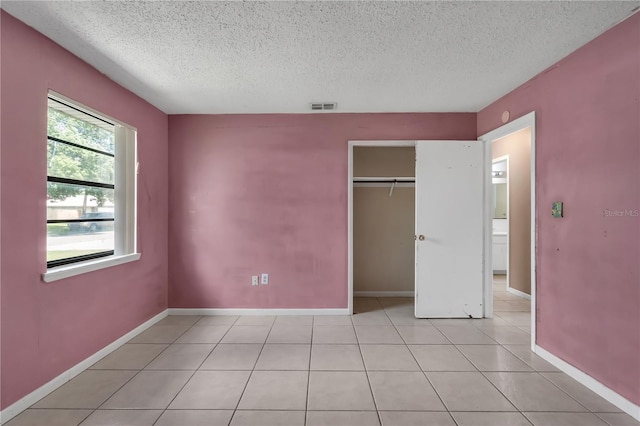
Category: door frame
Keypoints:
(488, 275)
(526, 121)
(374, 143)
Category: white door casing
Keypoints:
(450, 226)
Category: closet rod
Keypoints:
(384, 180)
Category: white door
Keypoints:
(449, 229)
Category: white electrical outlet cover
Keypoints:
(265, 279)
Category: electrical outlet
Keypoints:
(254, 280)
(265, 279)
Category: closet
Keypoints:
(383, 221)
(417, 224)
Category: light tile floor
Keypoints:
(379, 367)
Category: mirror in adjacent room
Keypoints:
(500, 199)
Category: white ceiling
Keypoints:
(277, 57)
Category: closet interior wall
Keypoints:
(383, 224)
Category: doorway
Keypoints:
(451, 227)
(391, 144)
(516, 141)
(383, 221)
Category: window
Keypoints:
(91, 186)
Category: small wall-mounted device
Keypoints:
(556, 209)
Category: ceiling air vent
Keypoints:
(324, 106)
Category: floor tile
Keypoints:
(333, 390)
(218, 320)
(122, 417)
(53, 417)
(371, 334)
(490, 419)
(452, 321)
(256, 320)
(149, 390)
(464, 391)
(336, 357)
(483, 323)
(268, 418)
(509, 335)
(211, 390)
(294, 320)
(332, 320)
(284, 357)
(181, 357)
(246, 334)
(493, 358)
(586, 397)
(285, 333)
(275, 390)
(526, 329)
(516, 318)
(342, 418)
(396, 302)
(334, 334)
(237, 356)
(402, 318)
(532, 392)
(534, 361)
(160, 334)
(421, 335)
(388, 358)
(366, 304)
(618, 419)
(565, 419)
(465, 335)
(403, 391)
(89, 389)
(132, 356)
(415, 418)
(203, 334)
(179, 320)
(371, 318)
(195, 418)
(440, 358)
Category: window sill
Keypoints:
(66, 271)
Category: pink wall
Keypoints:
(588, 156)
(268, 193)
(49, 327)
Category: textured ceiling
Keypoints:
(266, 57)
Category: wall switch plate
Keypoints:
(556, 209)
(265, 279)
(254, 280)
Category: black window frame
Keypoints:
(77, 182)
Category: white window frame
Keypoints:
(125, 225)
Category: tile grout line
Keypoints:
(196, 370)
(418, 364)
(132, 377)
(235, 410)
(375, 404)
(487, 379)
(306, 401)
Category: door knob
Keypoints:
(421, 237)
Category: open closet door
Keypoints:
(449, 229)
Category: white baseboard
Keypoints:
(519, 293)
(383, 294)
(605, 392)
(28, 400)
(243, 311)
